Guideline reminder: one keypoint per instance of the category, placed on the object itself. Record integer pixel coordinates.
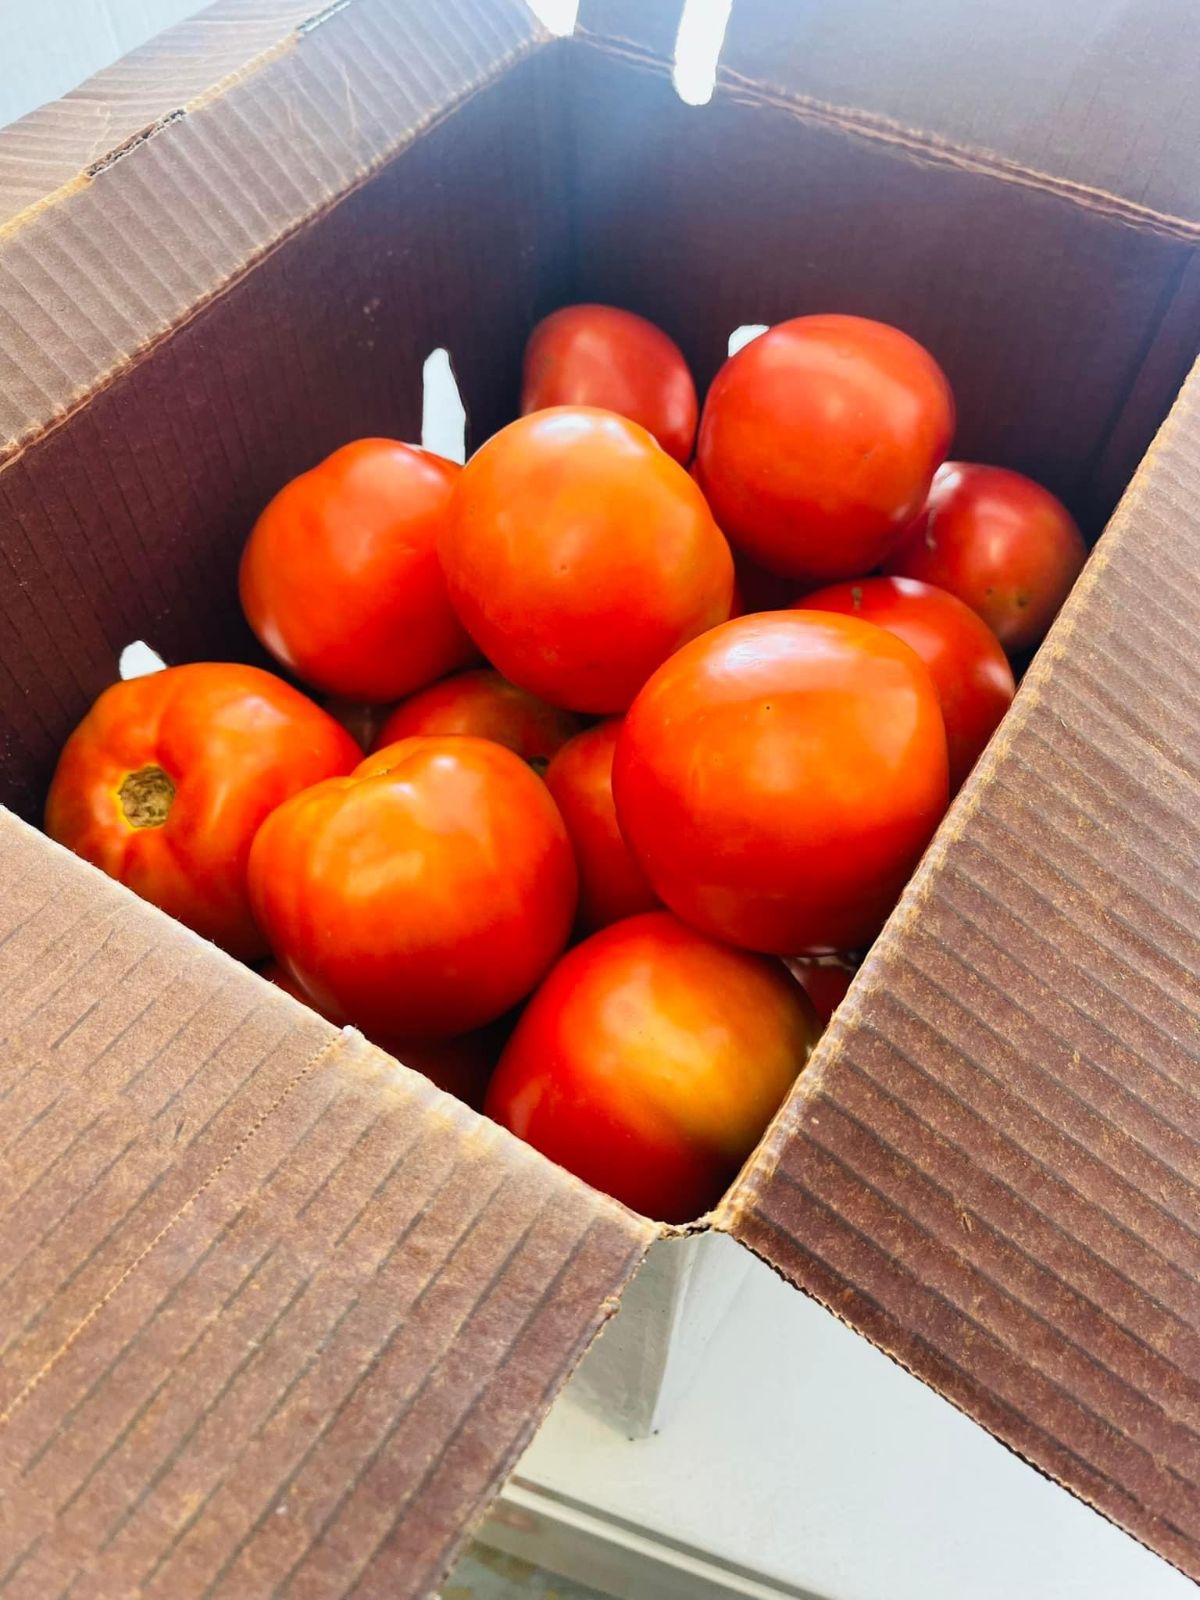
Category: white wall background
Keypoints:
(49, 46)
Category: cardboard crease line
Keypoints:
(326, 1051)
(916, 143)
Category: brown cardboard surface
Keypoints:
(90, 278)
(992, 1165)
(277, 1315)
(1099, 100)
(62, 144)
(991, 1168)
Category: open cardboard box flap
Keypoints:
(274, 1308)
(277, 1318)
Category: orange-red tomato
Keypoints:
(650, 1062)
(970, 671)
(460, 1066)
(580, 556)
(818, 442)
(778, 779)
(1004, 545)
(824, 980)
(600, 356)
(165, 782)
(486, 705)
(423, 895)
(340, 577)
(611, 884)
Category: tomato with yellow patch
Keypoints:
(650, 1062)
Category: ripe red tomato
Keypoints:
(600, 356)
(340, 577)
(611, 884)
(824, 980)
(421, 896)
(778, 779)
(580, 556)
(165, 782)
(818, 442)
(460, 1066)
(1000, 542)
(486, 705)
(650, 1062)
(970, 671)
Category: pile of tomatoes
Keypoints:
(636, 732)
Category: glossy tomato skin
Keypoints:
(970, 671)
(1004, 545)
(818, 442)
(421, 896)
(580, 556)
(460, 1066)
(165, 782)
(486, 705)
(611, 884)
(754, 588)
(590, 355)
(778, 779)
(340, 578)
(650, 1062)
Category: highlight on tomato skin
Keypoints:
(970, 671)
(611, 884)
(423, 895)
(340, 578)
(579, 556)
(818, 441)
(591, 355)
(650, 1062)
(165, 782)
(487, 706)
(778, 779)
(1003, 544)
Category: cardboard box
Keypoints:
(278, 1317)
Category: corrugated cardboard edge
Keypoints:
(170, 151)
(1039, 973)
(276, 1312)
(84, 292)
(50, 152)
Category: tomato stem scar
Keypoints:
(146, 797)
